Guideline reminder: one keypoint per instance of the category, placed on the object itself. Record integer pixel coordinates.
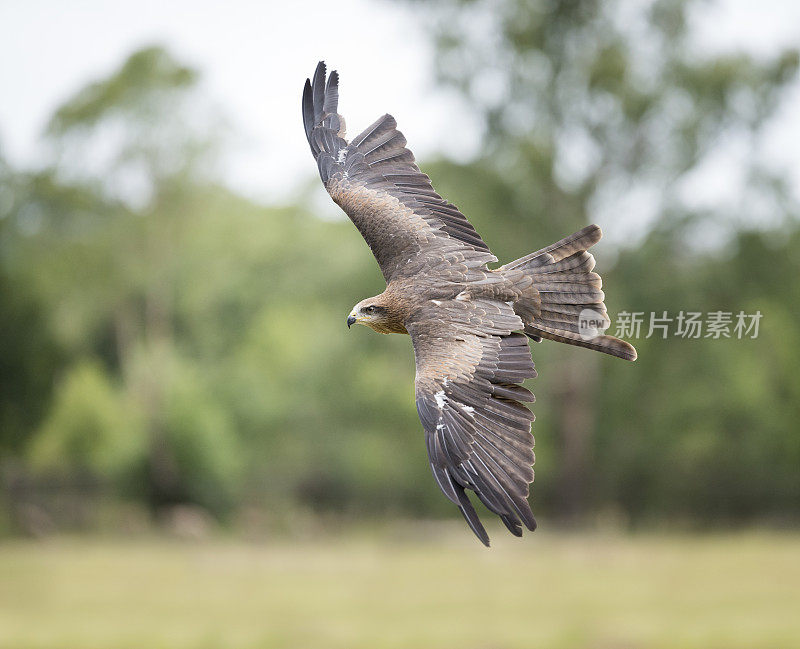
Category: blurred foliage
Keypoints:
(182, 345)
(89, 428)
(585, 104)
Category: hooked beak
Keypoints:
(351, 320)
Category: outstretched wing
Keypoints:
(469, 368)
(375, 180)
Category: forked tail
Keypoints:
(565, 302)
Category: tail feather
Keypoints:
(570, 285)
(605, 344)
(563, 288)
(575, 244)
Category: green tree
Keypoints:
(583, 104)
(188, 346)
(210, 319)
(29, 354)
(90, 428)
(131, 157)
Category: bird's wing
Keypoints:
(375, 180)
(470, 364)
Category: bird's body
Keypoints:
(469, 324)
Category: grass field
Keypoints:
(374, 591)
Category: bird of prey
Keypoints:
(469, 324)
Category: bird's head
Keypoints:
(371, 313)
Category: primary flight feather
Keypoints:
(469, 325)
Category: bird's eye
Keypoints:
(369, 309)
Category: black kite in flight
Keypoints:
(468, 324)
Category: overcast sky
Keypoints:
(254, 57)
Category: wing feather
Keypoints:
(470, 362)
(376, 181)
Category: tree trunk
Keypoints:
(576, 420)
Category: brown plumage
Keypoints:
(468, 324)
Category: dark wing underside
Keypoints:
(469, 368)
(375, 180)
